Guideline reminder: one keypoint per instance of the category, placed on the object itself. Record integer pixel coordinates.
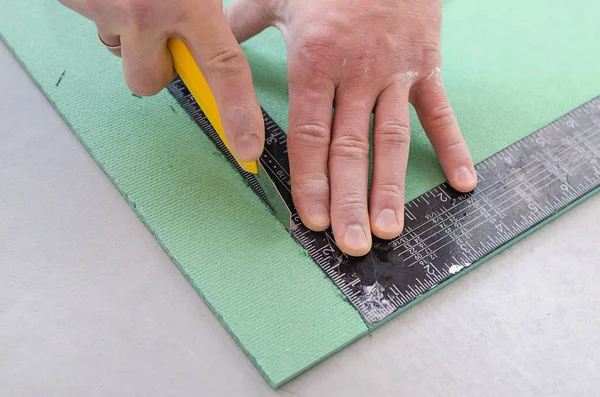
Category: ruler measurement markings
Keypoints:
(412, 290)
(508, 190)
(475, 195)
(436, 269)
(484, 222)
(449, 211)
(480, 215)
(464, 233)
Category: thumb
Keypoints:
(228, 75)
(247, 18)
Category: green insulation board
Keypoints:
(510, 67)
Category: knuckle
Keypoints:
(352, 202)
(430, 48)
(140, 14)
(365, 66)
(310, 135)
(312, 77)
(388, 190)
(316, 46)
(441, 117)
(227, 61)
(317, 42)
(394, 133)
(429, 55)
(350, 146)
(312, 187)
(457, 146)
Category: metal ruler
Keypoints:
(446, 232)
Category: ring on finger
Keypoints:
(110, 47)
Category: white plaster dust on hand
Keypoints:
(409, 78)
(436, 76)
(356, 60)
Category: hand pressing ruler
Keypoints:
(446, 232)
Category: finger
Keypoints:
(435, 113)
(110, 40)
(227, 72)
(147, 63)
(349, 168)
(391, 141)
(311, 102)
(247, 19)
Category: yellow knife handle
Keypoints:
(187, 68)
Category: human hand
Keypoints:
(359, 56)
(138, 31)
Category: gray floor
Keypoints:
(90, 304)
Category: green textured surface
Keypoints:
(271, 297)
(510, 67)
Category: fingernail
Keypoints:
(319, 216)
(387, 221)
(465, 176)
(248, 147)
(356, 238)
